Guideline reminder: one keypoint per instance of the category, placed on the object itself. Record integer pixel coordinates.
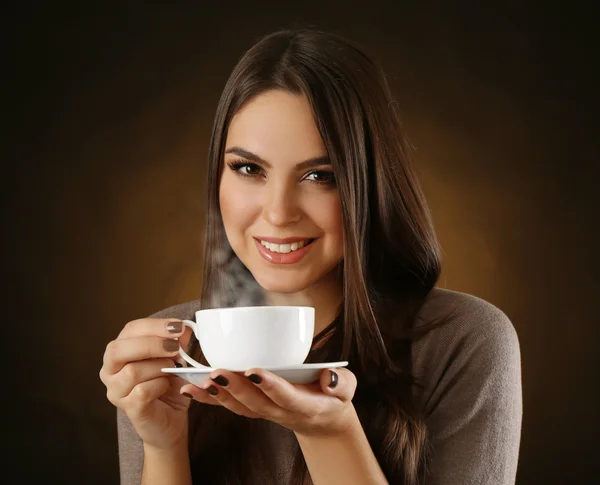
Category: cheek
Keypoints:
(236, 207)
(327, 214)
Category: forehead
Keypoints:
(277, 126)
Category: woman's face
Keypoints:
(278, 198)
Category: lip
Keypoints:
(283, 258)
(284, 240)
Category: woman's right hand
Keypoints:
(135, 383)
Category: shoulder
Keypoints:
(471, 344)
(184, 311)
(459, 318)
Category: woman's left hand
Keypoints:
(323, 408)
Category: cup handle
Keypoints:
(186, 357)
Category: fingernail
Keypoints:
(334, 379)
(212, 390)
(255, 378)
(174, 327)
(221, 380)
(188, 395)
(177, 364)
(170, 345)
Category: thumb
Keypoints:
(338, 382)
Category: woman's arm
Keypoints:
(142, 464)
(343, 459)
(167, 467)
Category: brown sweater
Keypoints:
(471, 371)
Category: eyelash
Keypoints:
(237, 166)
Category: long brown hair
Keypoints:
(391, 254)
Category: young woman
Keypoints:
(312, 200)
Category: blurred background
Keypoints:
(108, 110)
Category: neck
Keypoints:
(325, 296)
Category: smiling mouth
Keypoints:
(286, 248)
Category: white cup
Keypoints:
(240, 338)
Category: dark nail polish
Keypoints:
(221, 380)
(178, 365)
(170, 345)
(255, 378)
(187, 395)
(174, 327)
(334, 379)
(212, 390)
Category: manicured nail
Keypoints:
(255, 378)
(212, 390)
(177, 364)
(334, 379)
(174, 327)
(170, 345)
(221, 380)
(188, 395)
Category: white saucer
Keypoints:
(297, 374)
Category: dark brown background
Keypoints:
(108, 115)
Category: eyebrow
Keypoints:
(311, 162)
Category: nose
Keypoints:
(280, 206)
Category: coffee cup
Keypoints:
(240, 338)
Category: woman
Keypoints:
(307, 155)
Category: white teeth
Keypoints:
(284, 248)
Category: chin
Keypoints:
(282, 284)
(287, 287)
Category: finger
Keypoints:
(217, 397)
(160, 327)
(173, 396)
(143, 394)
(193, 392)
(134, 373)
(339, 382)
(121, 351)
(222, 397)
(284, 394)
(243, 391)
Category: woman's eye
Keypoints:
(321, 177)
(246, 169)
(250, 169)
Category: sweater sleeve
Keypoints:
(474, 409)
(131, 450)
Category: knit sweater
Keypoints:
(470, 371)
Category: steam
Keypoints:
(238, 287)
